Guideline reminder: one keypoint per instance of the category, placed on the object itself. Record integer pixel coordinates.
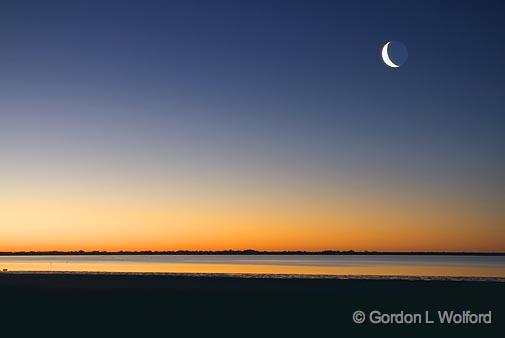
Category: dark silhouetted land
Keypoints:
(247, 252)
(123, 305)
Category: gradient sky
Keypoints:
(144, 125)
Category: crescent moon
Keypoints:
(385, 57)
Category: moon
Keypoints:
(394, 54)
(385, 57)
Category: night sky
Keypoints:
(251, 124)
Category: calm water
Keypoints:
(412, 265)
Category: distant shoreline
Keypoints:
(247, 252)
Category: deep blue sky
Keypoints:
(225, 86)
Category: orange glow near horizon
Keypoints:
(312, 221)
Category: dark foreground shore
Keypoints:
(113, 305)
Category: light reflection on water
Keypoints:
(411, 265)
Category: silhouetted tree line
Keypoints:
(244, 252)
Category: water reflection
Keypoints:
(474, 266)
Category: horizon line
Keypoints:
(247, 252)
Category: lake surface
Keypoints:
(383, 265)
